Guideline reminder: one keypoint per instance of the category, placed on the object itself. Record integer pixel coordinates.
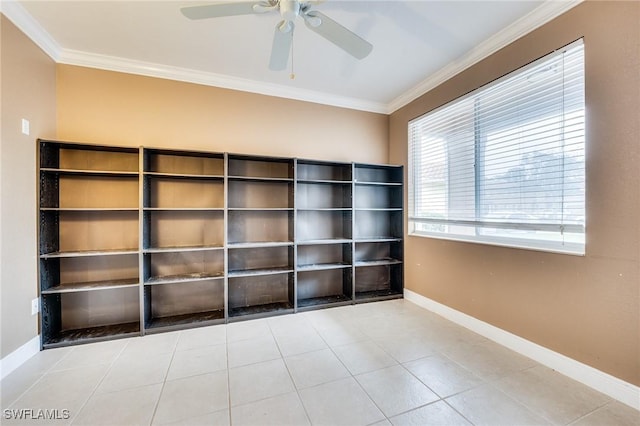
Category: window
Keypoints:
(505, 164)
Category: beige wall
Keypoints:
(115, 108)
(584, 307)
(88, 105)
(28, 91)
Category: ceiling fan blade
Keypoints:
(281, 46)
(218, 10)
(346, 40)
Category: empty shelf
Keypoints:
(172, 279)
(92, 286)
(322, 266)
(92, 334)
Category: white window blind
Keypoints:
(505, 164)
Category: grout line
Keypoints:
(459, 413)
(95, 389)
(286, 366)
(226, 346)
(166, 374)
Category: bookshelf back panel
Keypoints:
(324, 253)
(98, 308)
(322, 283)
(184, 164)
(186, 263)
(260, 258)
(107, 230)
(185, 193)
(260, 195)
(309, 170)
(323, 196)
(320, 225)
(185, 228)
(186, 298)
(378, 197)
(260, 226)
(78, 191)
(261, 290)
(90, 159)
(259, 168)
(99, 268)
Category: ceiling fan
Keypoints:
(289, 10)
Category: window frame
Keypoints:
(479, 224)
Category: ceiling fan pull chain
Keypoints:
(292, 75)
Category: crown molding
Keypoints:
(541, 15)
(131, 66)
(32, 28)
(27, 24)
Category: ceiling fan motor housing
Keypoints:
(289, 9)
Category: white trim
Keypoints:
(32, 28)
(18, 357)
(535, 19)
(131, 66)
(27, 24)
(620, 390)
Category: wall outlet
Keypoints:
(35, 306)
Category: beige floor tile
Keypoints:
(407, 348)
(290, 326)
(297, 344)
(481, 380)
(614, 413)
(62, 391)
(23, 377)
(384, 422)
(282, 410)
(395, 390)
(151, 344)
(259, 381)
(97, 353)
(442, 375)
(15, 384)
(219, 418)
(486, 405)
(44, 361)
(201, 360)
(192, 397)
(130, 407)
(362, 357)
(253, 329)
(252, 351)
(488, 360)
(202, 336)
(438, 413)
(314, 368)
(336, 334)
(56, 389)
(342, 402)
(551, 395)
(136, 370)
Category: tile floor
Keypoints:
(379, 363)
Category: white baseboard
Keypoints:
(18, 357)
(620, 390)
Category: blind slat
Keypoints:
(507, 160)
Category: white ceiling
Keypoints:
(417, 44)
